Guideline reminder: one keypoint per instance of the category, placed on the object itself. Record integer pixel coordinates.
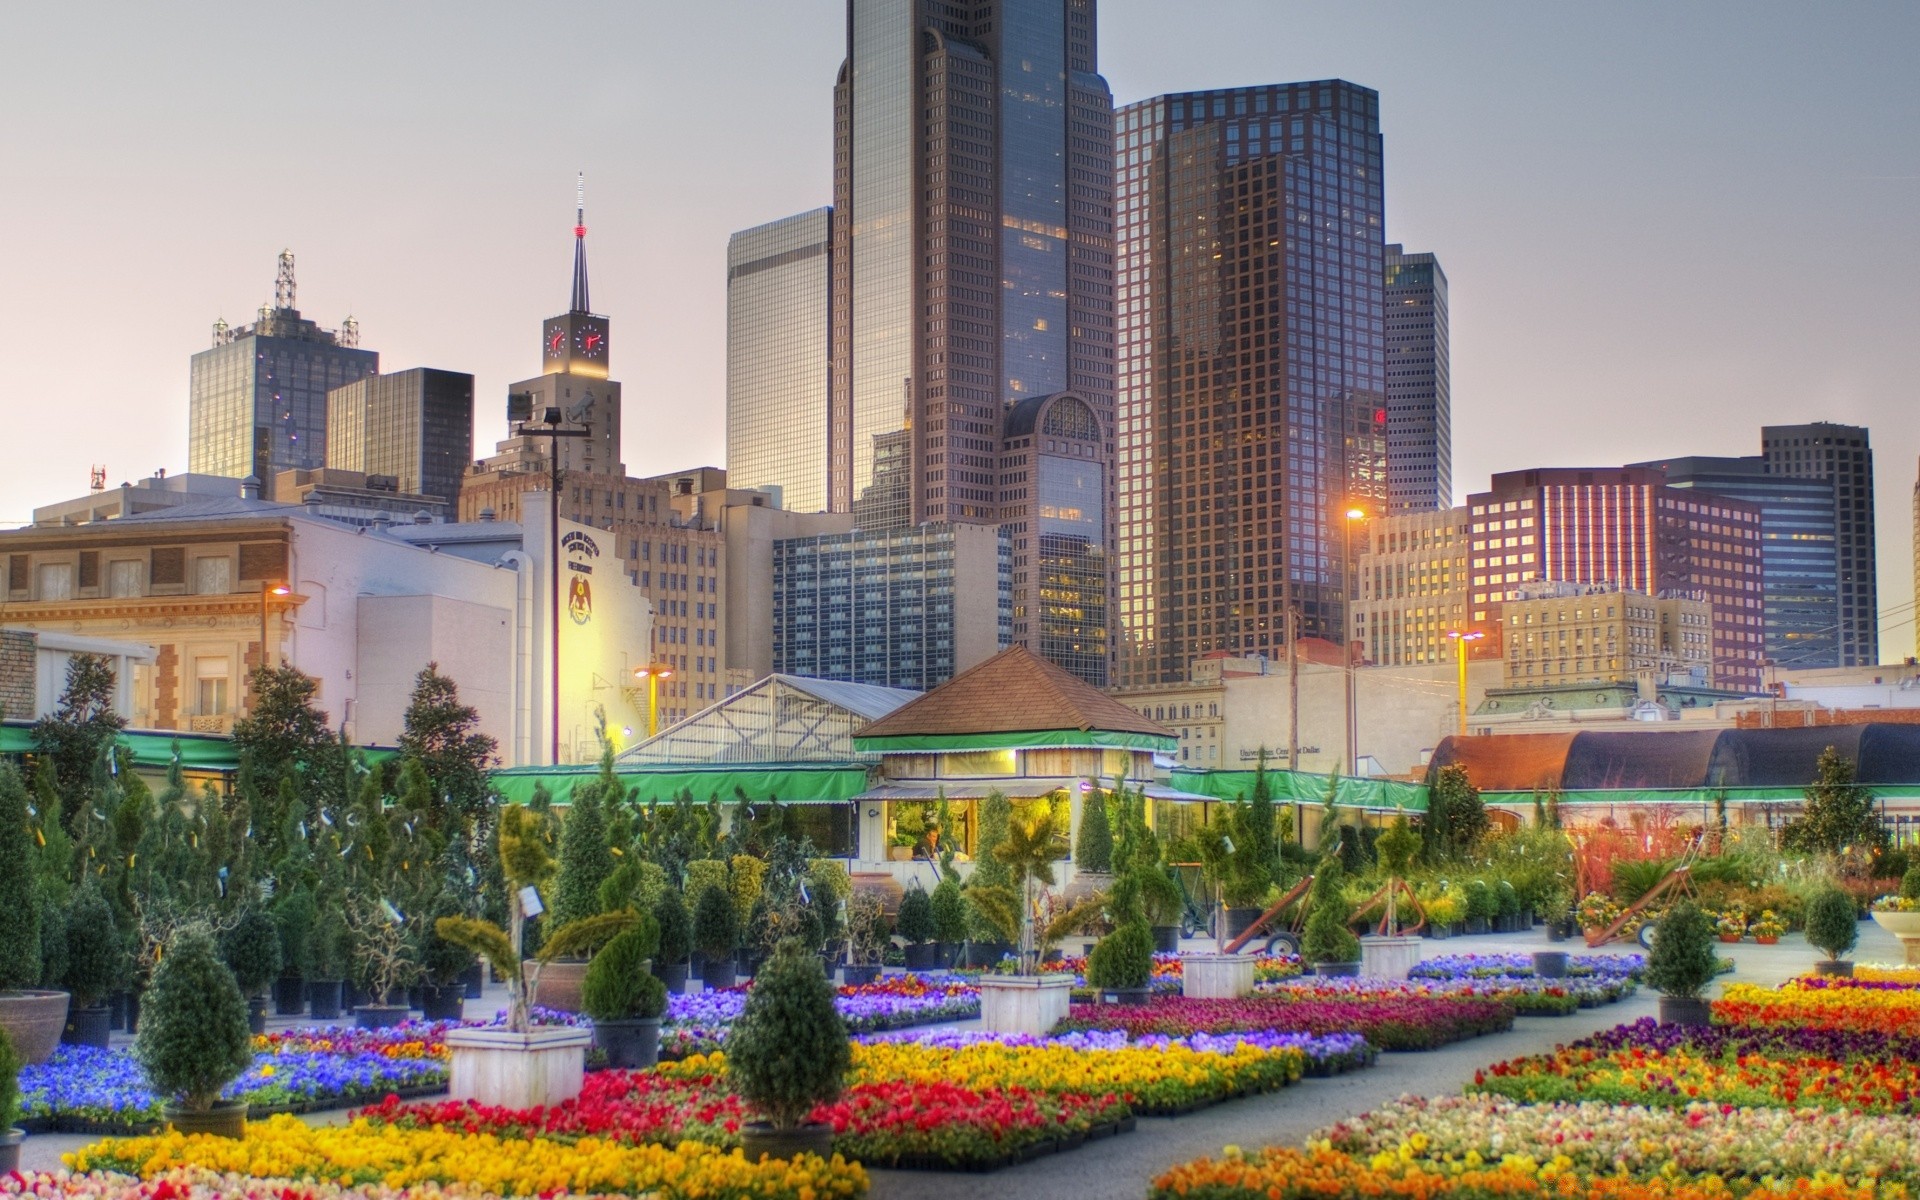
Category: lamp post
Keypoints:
(520, 406)
(1460, 640)
(268, 589)
(653, 673)
(1354, 516)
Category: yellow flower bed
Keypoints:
(389, 1156)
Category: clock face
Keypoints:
(556, 342)
(590, 342)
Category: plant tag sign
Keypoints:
(530, 901)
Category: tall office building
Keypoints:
(415, 427)
(258, 397)
(1624, 527)
(1419, 397)
(1252, 367)
(777, 351)
(1798, 571)
(1843, 457)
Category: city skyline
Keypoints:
(1680, 345)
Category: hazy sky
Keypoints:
(1664, 223)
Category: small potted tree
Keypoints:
(95, 966)
(624, 999)
(676, 940)
(949, 921)
(1390, 954)
(326, 964)
(251, 949)
(915, 925)
(1833, 926)
(387, 954)
(867, 935)
(294, 914)
(1328, 942)
(788, 1054)
(1120, 966)
(10, 1135)
(716, 935)
(1681, 965)
(444, 963)
(193, 1038)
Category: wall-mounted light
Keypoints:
(873, 812)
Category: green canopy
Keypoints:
(153, 749)
(1303, 787)
(808, 783)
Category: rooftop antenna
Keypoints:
(283, 281)
(580, 303)
(97, 479)
(349, 332)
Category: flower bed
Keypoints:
(1169, 970)
(1520, 966)
(395, 1157)
(1859, 1006)
(193, 1183)
(1328, 1055)
(1596, 1138)
(1403, 1018)
(698, 1023)
(1668, 1066)
(86, 1090)
(1887, 973)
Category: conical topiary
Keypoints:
(20, 932)
(193, 1038)
(789, 1051)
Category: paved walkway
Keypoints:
(1120, 1168)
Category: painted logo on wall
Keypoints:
(579, 550)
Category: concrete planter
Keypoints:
(33, 1021)
(1906, 927)
(1029, 1004)
(1388, 957)
(504, 1069)
(1216, 976)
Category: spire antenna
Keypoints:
(283, 281)
(580, 304)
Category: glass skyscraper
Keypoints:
(1252, 378)
(1419, 393)
(1842, 457)
(415, 426)
(257, 401)
(777, 314)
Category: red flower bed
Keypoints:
(889, 1123)
(1388, 1021)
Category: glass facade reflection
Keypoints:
(1419, 392)
(1252, 380)
(414, 426)
(777, 313)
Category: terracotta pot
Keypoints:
(33, 1021)
(1730, 938)
(560, 984)
(1765, 941)
(227, 1118)
(758, 1140)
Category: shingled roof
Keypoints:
(1015, 692)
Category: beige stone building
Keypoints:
(1413, 588)
(1567, 634)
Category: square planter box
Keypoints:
(1216, 976)
(517, 1070)
(1027, 1004)
(1388, 957)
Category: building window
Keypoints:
(212, 576)
(210, 686)
(55, 581)
(126, 578)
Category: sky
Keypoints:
(1664, 223)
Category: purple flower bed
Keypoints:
(698, 1023)
(1717, 1041)
(1322, 1051)
(1490, 966)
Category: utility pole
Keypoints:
(520, 406)
(1293, 690)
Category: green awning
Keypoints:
(1701, 796)
(1302, 787)
(832, 783)
(1093, 739)
(153, 749)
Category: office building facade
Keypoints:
(1624, 527)
(1419, 394)
(1413, 589)
(1563, 634)
(778, 310)
(1842, 456)
(257, 402)
(1252, 387)
(414, 427)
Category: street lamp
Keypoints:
(1354, 516)
(1460, 639)
(266, 590)
(653, 673)
(520, 415)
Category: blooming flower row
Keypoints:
(1893, 1010)
(1490, 966)
(1336, 1050)
(1405, 1018)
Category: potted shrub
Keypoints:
(326, 963)
(1482, 906)
(251, 949)
(388, 962)
(1681, 965)
(95, 967)
(675, 927)
(915, 925)
(10, 1135)
(31, 1018)
(443, 964)
(624, 998)
(1768, 928)
(193, 1038)
(949, 920)
(1833, 926)
(1120, 967)
(294, 914)
(1328, 942)
(788, 1054)
(716, 933)
(867, 935)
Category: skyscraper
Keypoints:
(415, 426)
(1252, 387)
(777, 316)
(1419, 397)
(1843, 457)
(258, 397)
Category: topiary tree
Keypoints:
(675, 927)
(251, 949)
(9, 1084)
(1328, 937)
(1832, 923)
(915, 919)
(1839, 812)
(586, 859)
(716, 931)
(1681, 964)
(949, 911)
(294, 913)
(1456, 818)
(443, 735)
(193, 1038)
(1398, 847)
(20, 931)
(74, 738)
(524, 863)
(789, 1052)
(1123, 958)
(618, 986)
(1093, 848)
(96, 955)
